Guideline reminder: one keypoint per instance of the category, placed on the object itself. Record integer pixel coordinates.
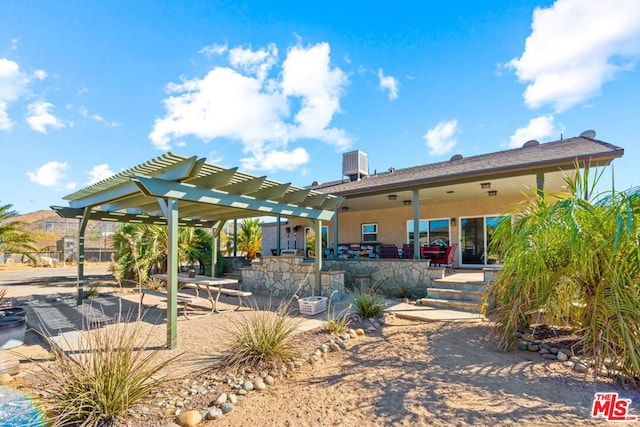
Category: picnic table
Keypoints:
(213, 286)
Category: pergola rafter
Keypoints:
(174, 190)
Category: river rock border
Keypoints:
(565, 356)
(241, 387)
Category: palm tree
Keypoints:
(250, 237)
(140, 248)
(576, 260)
(12, 238)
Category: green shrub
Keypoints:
(403, 291)
(97, 385)
(261, 339)
(368, 304)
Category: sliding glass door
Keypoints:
(475, 238)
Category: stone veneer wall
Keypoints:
(280, 276)
(387, 274)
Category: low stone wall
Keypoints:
(281, 276)
(387, 274)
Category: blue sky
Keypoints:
(89, 88)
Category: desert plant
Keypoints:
(154, 284)
(581, 251)
(404, 291)
(337, 324)
(92, 291)
(261, 339)
(368, 303)
(98, 386)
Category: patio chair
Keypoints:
(430, 251)
(388, 251)
(407, 251)
(446, 260)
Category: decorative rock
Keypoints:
(242, 392)
(318, 352)
(562, 357)
(324, 348)
(553, 350)
(315, 358)
(522, 345)
(360, 332)
(544, 351)
(580, 368)
(345, 336)
(221, 399)
(545, 346)
(214, 413)
(227, 407)
(533, 347)
(518, 334)
(259, 385)
(232, 398)
(569, 363)
(353, 333)
(269, 380)
(335, 347)
(342, 345)
(248, 385)
(298, 363)
(189, 418)
(549, 356)
(371, 329)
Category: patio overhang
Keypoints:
(174, 190)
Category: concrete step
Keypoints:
(458, 285)
(455, 294)
(472, 307)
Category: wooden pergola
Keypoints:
(174, 190)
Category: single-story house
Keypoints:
(455, 202)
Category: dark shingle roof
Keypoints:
(544, 156)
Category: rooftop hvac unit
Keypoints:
(355, 164)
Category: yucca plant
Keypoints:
(368, 303)
(261, 339)
(581, 251)
(99, 384)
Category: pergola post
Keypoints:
(540, 185)
(215, 233)
(278, 234)
(170, 210)
(81, 229)
(317, 228)
(335, 233)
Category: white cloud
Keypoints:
(277, 160)
(257, 62)
(40, 74)
(13, 83)
(242, 103)
(39, 117)
(96, 117)
(574, 47)
(214, 49)
(99, 172)
(389, 84)
(49, 174)
(70, 185)
(441, 139)
(537, 128)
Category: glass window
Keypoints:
(369, 232)
(475, 238)
(432, 231)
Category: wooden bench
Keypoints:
(181, 297)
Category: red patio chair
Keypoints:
(407, 251)
(447, 259)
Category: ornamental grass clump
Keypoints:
(100, 383)
(368, 304)
(337, 324)
(577, 261)
(261, 339)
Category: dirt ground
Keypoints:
(405, 373)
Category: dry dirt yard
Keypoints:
(405, 373)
